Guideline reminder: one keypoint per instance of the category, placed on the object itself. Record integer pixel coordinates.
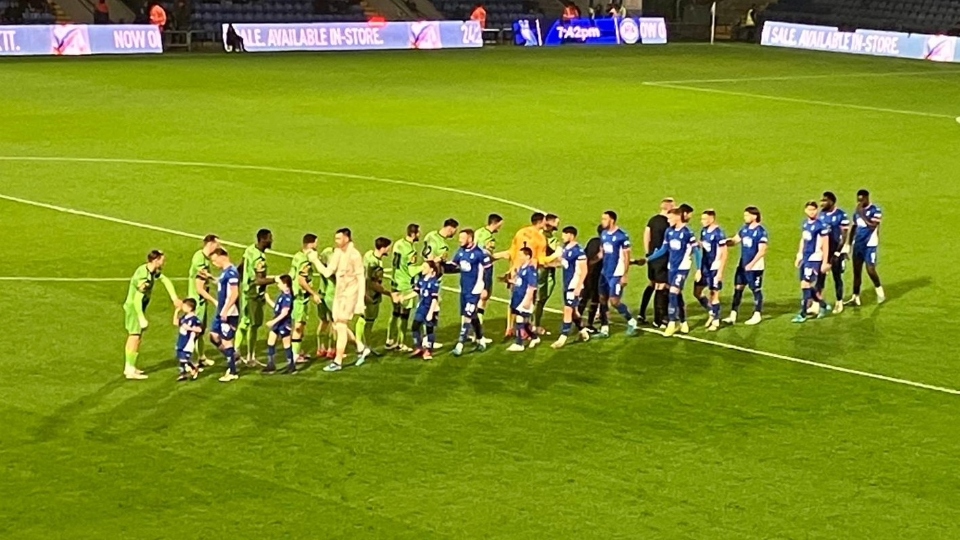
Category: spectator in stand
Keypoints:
(102, 13)
(621, 11)
(748, 29)
(158, 16)
(479, 14)
(570, 12)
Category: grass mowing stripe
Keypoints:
(812, 363)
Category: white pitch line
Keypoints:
(930, 72)
(801, 101)
(755, 352)
(37, 279)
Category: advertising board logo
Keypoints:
(629, 31)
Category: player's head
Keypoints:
(220, 258)
(863, 197)
(156, 259)
(608, 220)
(210, 243)
(667, 204)
(381, 245)
(708, 217)
(466, 238)
(309, 242)
(751, 215)
(449, 228)
(189, 305)
(342, 237)
(285, 283)
(675, 217)
(264, 239)
(536, 219)
(431, 268)
(551, 222)
(811, 209)
(413, 232)
(687, 212)
(494, 222)
(829, 201)
(525, 255)
(569, 234)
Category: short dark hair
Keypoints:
(436, 267)
(710, 212)
(863, 193)
(412, 229)
(286, 280)
(210, 238)
(220, 252)
(753, 210)
(382, 242)
(811, 204)
(551, 217)
(611, 214)
(570, 229)
(828, 195)
(262, 234)
(154, 255)
(451, 223)
(190, 302)
(686, 208)
(493, 219)
(346, 232)
(468, 232)
(676, 211)
(536, 218)
(526, 251)
(309, 238)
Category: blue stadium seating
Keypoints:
(925, 16)
(210, 15)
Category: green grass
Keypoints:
(638, 438)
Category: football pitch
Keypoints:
(844, 427)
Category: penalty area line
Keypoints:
(867, 374)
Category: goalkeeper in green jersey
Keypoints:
(198, 288)
(406, 267)
(546, 273)
(253, 290)
(327, 287)
(135, 306)
(373, 293)
(301, 272)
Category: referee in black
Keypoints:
(657, 269)
(590, 295)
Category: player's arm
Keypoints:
(646, 240)
(722, 254)
(528, 297)
(625, 260)
(284, 312)
(825, 249)
(582, 275)
(270, 302)
(660, 252)
(378, 287)
(500, 255)
(233, 293)
(761, 253)
(326, 270)
(200, 283)
(799, 258)
(733, 240)
(305, 285)
(434, 307)
(697, 259)
(168, 285)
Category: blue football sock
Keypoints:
(758, 300)
(704, 302)
(715, 310)
(565, 329)
(625, 311)
(673, 309)
(231, 355)
(518, 330)
(290, 360)
(271, 353)
(604, 314)
(737, 299)
(464, 331)
(807, 296)
(430, 336)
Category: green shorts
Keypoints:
(252, 312)
(300, 310)
(131, 321)
(545, 284)
(371, 312)
(325, 310)
(410, 302)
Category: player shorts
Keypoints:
(546, 282)
(252, 311)
(325, 310)
(227, 330)
(610, 287)
(809, 271)
(421, 316)
(488, 281)
(570, 299)
(710, 279)
(657, 270)
(677, 278)
(371, 311)
(299, 312)
(591, 287)
(752, 279)
(468, 305)
(131, 321)
(282, 329)
(867, 254)
(184, 356)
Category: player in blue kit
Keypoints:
(713, 242)
(839, 225)
(281, 326)
(683, 251)
(523, 299)
(189, 328)
(472, 263)
(615, 244)
(573, 260)
(753, 240)
(228, 312)
(813, 259)
(428, 310)
(866, 240)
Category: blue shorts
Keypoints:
(227, 330)
(610, 286)
(867, 254)
(488, 280)
(468, 305)
(710, 279)
(515, 307)
(809, 271)
(184, 356)
(421, 315)
(677, 278)
(570, 299)
(282, 329)
(752, 279)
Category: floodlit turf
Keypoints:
(627, 438)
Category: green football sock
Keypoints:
(393, 327)
(130, 357)
(361, 330)
(241, 334)
(401, 333)
(296, 347)
(319, 339)
(252, 342)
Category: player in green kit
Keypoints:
(138, 297)
(486, 238)
(547, 274)
(301, 271)
(253, 290)
(373, 272)
(327, 287)
(198, 288)
(435, 242)
(406, 266)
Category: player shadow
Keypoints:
(60, 420)
(898, 289)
